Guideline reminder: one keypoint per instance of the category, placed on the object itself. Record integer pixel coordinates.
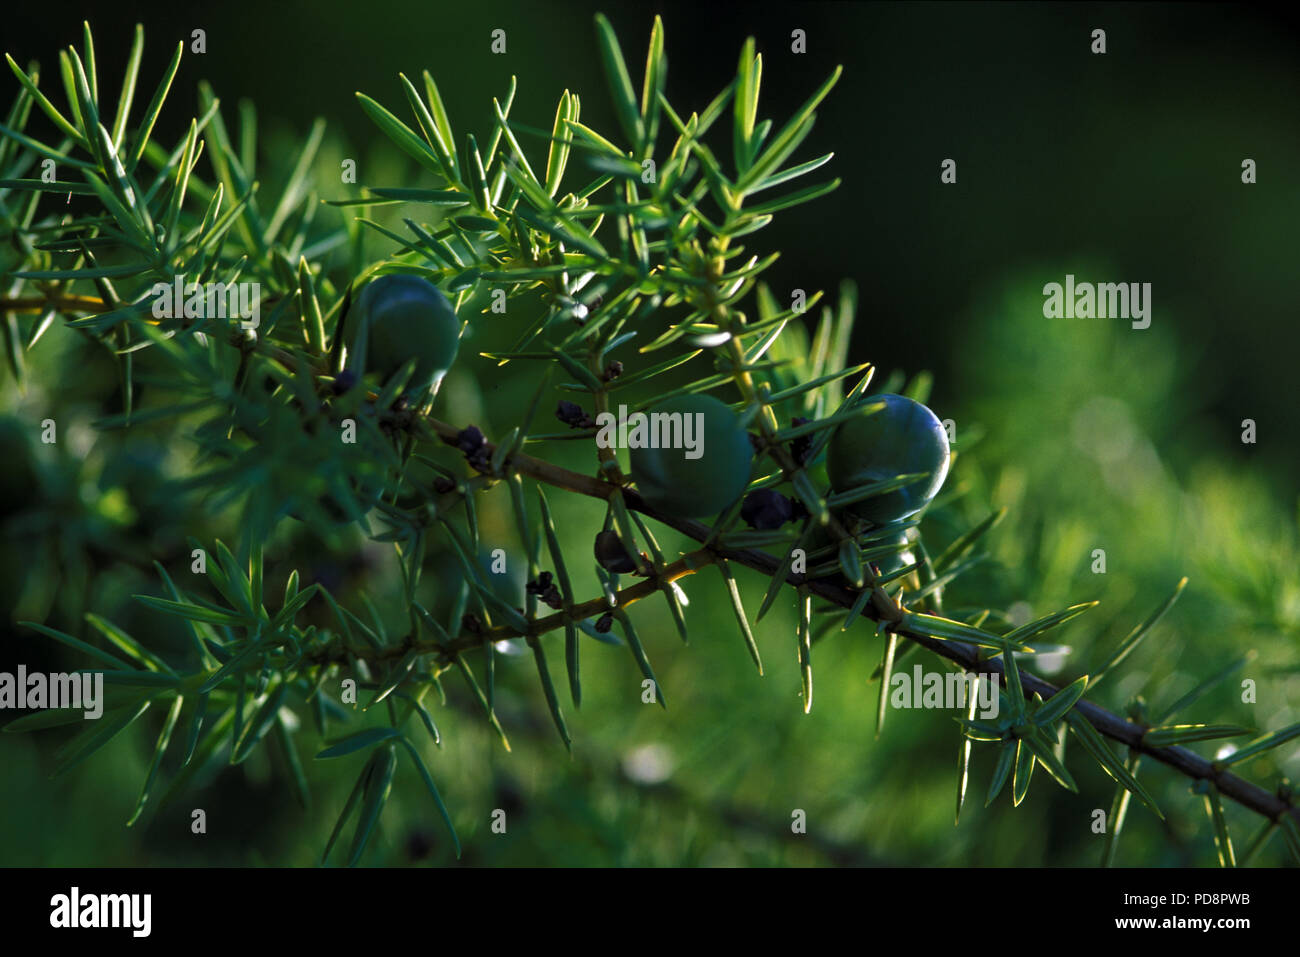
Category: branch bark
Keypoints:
(1270, 805)
(1186, 762)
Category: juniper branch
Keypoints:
(838, 592)
(687, 274)
(832, 589)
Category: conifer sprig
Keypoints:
(611, 233)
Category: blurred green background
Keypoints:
(1122, 167)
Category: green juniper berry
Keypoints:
(631, 268)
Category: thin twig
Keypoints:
(1249, 795)
(832, 589)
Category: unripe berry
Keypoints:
(403, 316)
(892, 563)
(903, 437)
(695, 487)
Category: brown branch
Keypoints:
(832, 589)
(64, 302)
(1188, 763)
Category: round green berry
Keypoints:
(401, 316)
(707, 469)
(902, 438)
(900, 559)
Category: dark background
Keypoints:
(1122, 167)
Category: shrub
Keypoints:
(622, 252)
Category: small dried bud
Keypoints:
(539, 584)
(344, 381)
(574, 415)
(472, 442)
(766, 509)
(470, 439)
(544, 587)
(604, 623)
(612, 371)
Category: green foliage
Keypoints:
(623, 254)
